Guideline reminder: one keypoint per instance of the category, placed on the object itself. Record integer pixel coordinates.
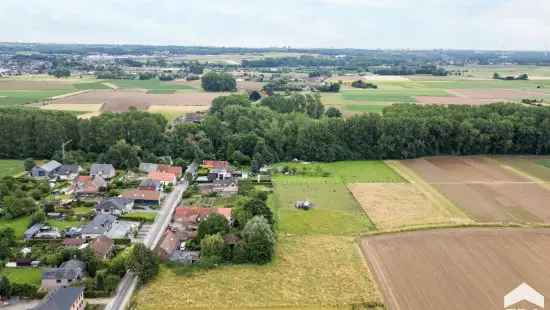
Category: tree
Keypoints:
(258, 207)
(218, 82)
(255, 96)
(143, 262)
(259, 240)
(7, 242)
(28, 164)
(212, 246)
(122, 155)
(333, 112)
(60, 72)
(5, 287)
(215, 223)
(38, 217)
(330, 88)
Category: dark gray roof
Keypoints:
(60, 299)
(68, 169)
(113, 203)
(102, 169)
(69, 270)
(73, 264)
(150, 183)
(33, 230)
(99, 225)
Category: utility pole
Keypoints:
(63, 149)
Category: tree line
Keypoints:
(280, 128)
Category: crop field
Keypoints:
(20, 97)
(487, 71)
(484, 189)
(73, 107)
(10, 167)
(121, 101)
(458, 268)
(309, 272)
(535, 166)
(149, 85)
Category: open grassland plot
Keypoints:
(23, 275)
(535, 166)
(73, 107)
(372, 171)
(394, 206)
(10, 167)
(307, 273)
(486, 191)
(335, 213)
(487, 71)
(20, 97)
(457, 268)
(149, 85)
(19, 225)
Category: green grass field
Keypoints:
(488, 70)
(90, 86)
(23, 275)
(20, 97)
(149, 85)
(10, 167)
(19, 225)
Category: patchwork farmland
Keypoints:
(457, 268)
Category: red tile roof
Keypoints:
(89, 184)
(185, 214)
(73, 242)
(142, 195)
(168, 244)
(215, 164)
(102, 246)
(175, 170)
(162, 176)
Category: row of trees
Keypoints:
(282, 128)
(218, 82)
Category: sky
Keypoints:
(372, 24)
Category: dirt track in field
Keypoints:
(486, 191)
(457, 269)
(121, 101)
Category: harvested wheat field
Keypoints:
(36, 85)
(458, 268)
(121, 101)
(480, 96)
(307, 273)
(73, 107)
(397, 205)
(484, 189)
(179, 109)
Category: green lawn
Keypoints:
(63, 224)
(149, 85)
(138, 215)
(544, 163)
(10, 167)
(23, 275)
(20, 97)
(19, 225)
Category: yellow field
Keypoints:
(308, 273)
(177, 109)
(73, 107)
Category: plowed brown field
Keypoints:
(486, 191)
(458, 269)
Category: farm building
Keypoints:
(47, 170)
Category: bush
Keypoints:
(25, 290)
(143, 262)
(212, 246)
(213, 224)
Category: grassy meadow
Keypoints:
(9, 167)
(23, 275)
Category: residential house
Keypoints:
(149, 185)
(106, 171)
(65, 275)
(224, 188)
(102, 247)
(46, 170)
(115, 206)
(32, 231)
(147, 167)
(143, 197)
(215, 164)
(186, 220)
(163, 177)
(68, 172)
(122, 229)
(219, 175)
(88, 185)
(168, 244)
(100, 224)
(63, 298)
(175, 170)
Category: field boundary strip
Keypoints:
(431, 193)
(535, 180)
(80, 92)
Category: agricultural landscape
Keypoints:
(280, 178)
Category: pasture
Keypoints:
(308, 272)
(484, 189)
(23, 275)
(9, 167)
(457, 268)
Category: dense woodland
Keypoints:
(279, 128)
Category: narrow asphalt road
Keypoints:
(129, 283)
